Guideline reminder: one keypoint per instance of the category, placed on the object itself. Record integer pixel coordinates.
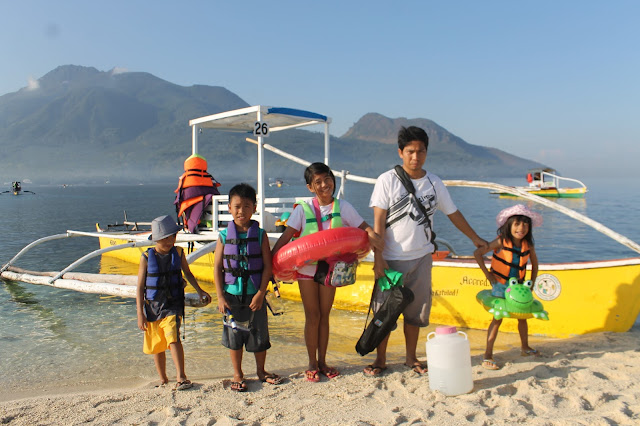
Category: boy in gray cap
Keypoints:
(160, 298)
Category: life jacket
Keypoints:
(164, 286)
(313, 218)
(252, 265)
(502, 262)
(195, 190)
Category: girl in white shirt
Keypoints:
(317, 299)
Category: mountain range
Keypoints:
(78, 124)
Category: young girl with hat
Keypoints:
(512, 250)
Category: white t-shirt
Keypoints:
(407, 235)
(297, 220)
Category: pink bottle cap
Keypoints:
(446, 330)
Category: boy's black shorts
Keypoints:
(254, 340)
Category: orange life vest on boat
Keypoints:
(502, 261)
(195, 174)
(196, 188)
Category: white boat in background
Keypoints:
(546, 182)
(580, 297)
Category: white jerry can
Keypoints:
(449, 361)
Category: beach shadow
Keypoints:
(455, 313)
(625, 293)
(541, 372)
(625, 312)
(557, 360)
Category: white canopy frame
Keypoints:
(244, 120)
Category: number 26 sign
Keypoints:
(261, 128)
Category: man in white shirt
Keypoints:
(409, 237)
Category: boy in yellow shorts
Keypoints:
(160, 299)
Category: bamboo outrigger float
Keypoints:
(581, 297)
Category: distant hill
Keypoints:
(82, 124)
(448, 155)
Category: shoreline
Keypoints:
(588, 379)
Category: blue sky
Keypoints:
(553, 81)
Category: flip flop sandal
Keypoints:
(419, 368)
(530, 352)
(330, 372)
(489, 364)
(240, 386)
(312, 376)
(373, 370)
(184, 385)
(272, 379)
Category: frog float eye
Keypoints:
(528, 284)
(512, 281)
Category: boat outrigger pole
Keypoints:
(31, 245)
(552, 205)
(345, 175)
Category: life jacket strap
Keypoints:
(241, 257)
(163, 274)
(521, 254)
(196, 172)
(513, 265)
(503, 276)
(323, 218)
(237, 241)
(240, 272)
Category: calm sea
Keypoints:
(53, 340)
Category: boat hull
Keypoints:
(610, 290)
(202, 268)
(551, 192)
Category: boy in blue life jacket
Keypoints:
(160, 299)
(242, 269)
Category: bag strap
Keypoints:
(373, 291)
(408, 185)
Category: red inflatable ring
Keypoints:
(318, 246)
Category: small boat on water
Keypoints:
(278, 183)
(16, 189)
(546, 182)
(580, 297)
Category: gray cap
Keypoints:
(162, 227)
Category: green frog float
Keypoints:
(518, 302)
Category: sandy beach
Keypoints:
(591, 379)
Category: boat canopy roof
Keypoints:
(543, 169)
(244, 119)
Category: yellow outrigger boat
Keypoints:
(610, 289)
(546, 182)
(580, 297)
